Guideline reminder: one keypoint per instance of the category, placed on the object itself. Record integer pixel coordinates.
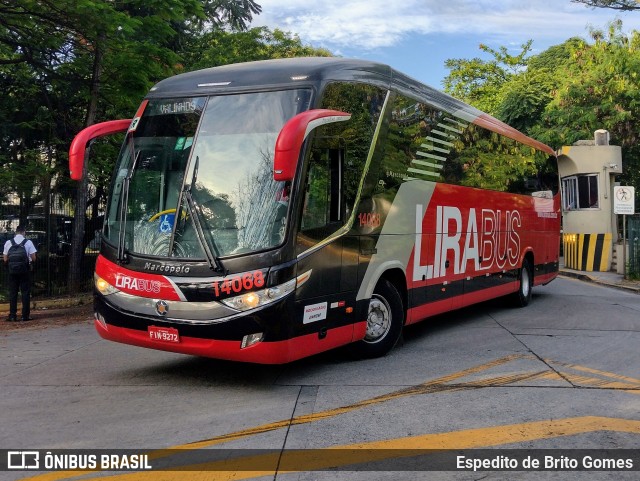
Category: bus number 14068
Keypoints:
(236, 284)
(369, 219)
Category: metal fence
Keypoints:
(51, 233)
(633, 238)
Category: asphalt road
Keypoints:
(559, 375)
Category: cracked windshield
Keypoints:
(180, 191)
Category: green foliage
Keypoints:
(565, 93)
(479, 82)
(600, 90)
(523, 99)
(632, 273)
(555, 56)
(48, 51)
(220, 47)
(66, 64)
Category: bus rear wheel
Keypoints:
(385, 318)
(523, 296)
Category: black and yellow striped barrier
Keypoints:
(587, 252)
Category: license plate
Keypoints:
(163, 334)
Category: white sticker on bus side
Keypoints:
(314, 312)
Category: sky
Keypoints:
(416, 37)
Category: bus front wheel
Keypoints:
(385, 318)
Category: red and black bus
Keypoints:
(271, 210)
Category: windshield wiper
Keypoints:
(210, 249)
(194, 211)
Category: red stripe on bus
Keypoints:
(429, 309)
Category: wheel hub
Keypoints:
(378, 319)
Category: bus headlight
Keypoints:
(260, 298)
(103, 286)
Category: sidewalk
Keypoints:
(50, 303)
(609, 279)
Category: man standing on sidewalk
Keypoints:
(19, 254)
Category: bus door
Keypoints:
(327, 298)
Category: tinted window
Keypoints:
(428, 144)
(337, 160)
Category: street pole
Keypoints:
(624, 246)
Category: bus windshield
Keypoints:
(196, 175)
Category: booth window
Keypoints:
(580, 192)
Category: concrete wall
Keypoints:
(604, 161)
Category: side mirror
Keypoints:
(79, 143)
(293, 135)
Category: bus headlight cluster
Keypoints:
(260, 298)
(103, 286)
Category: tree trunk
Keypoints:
(77, 242)
(51, 239)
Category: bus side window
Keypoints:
(324, 208)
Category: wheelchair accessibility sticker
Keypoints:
(166, 223)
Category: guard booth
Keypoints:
(587, 172)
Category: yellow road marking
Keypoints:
(627, 382)
(344, 456)
(440, 384)
(600, 383)
(435, 385)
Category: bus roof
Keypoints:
(306, 71)
(278, 72)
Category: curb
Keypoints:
(595, 280)
(54, 303)
(577, 275)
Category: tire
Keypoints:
(385, 319)
(522, 298)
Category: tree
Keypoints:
(88, 60)
(478, 81)
(568, 91)
(614, 4)
(220, 47)
(524, 97)
(600, 89)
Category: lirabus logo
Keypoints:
(471, 239)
